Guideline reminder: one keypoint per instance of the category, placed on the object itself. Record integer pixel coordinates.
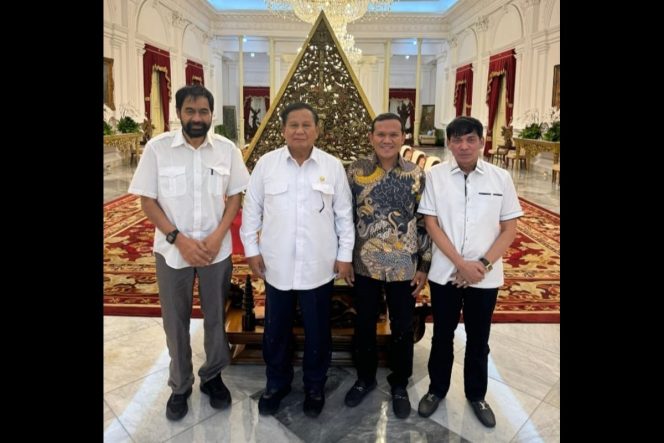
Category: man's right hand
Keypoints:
(257, 266)
(193, 251)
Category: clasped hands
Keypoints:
(198, 253)
(469, 273)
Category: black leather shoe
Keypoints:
(270, 400)
(428, 404)
(176, 407)
(220, 396)
(484, 413)
(313, 404)
(400, 402)
(357, 393)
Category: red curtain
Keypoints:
(502, 64)
(396, 93)
(463, 85)
(193, 73)
(156, 59)
(251, 124)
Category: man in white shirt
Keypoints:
(190, 184)
(299, 200)
(470, 209)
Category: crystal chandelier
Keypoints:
(338, 12)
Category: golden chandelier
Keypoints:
(338, 12)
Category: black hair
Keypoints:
(386, 116)
(464, 125)
(296, 107)
(193, 91)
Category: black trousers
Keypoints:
(401, 306)
(447, 302)
(278, 336)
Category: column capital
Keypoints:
(482, 23)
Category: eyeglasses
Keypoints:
(322, 201)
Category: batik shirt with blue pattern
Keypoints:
(391, 242)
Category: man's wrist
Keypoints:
(487, 264)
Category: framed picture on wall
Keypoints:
(108, 83)
(555, 98)
(428, 114)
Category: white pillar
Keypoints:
(273, 89)
(418, 98)
(386, 75)
(135, 80)
(240, 108)
(216, 83)
(440, 96)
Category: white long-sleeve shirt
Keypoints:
(304, 217)
(190, 184)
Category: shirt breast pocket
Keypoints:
(276, 197)
(172, 181)
(322, 196)
(489, 203)
(218, 180)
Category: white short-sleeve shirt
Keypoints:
(190, 186)
(469, 211)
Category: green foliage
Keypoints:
(553, 133)
(108, 129)
(127, 125)
(533, 130)
(221, 130)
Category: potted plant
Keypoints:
(533, 130)
(127, 125)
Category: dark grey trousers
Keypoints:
(176, 296)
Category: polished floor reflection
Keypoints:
(524, 383)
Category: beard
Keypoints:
(195, 132)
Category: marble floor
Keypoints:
(524, 380)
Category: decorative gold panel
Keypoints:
(322, 77)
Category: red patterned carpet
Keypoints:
(531, 293)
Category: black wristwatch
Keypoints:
(170, 237)
(487, 264)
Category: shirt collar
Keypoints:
(400, 161)
(315, 154)
(179, 140)
(454, 166)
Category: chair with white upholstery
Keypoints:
(432, 160)
(406, 152)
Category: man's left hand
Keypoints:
(420, 279)
(345, 270)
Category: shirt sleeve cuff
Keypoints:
(426, 211)
(251, 250)
(345, 255)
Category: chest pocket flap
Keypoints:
(218, 180)
(172, 181)
(325, 188)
